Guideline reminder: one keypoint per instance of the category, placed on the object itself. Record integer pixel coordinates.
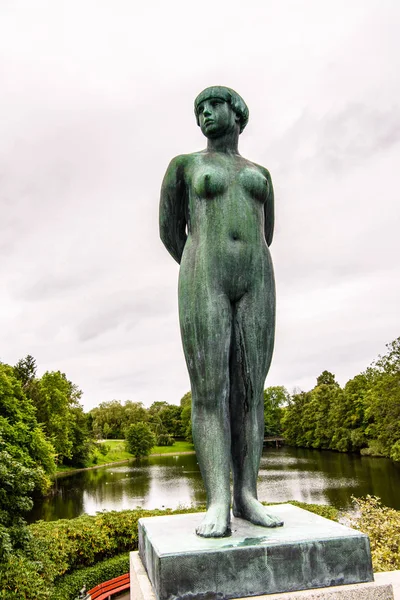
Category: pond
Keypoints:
(320, 477)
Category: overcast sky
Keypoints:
(97, 96)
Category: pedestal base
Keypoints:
(307, 552)
(141, 589)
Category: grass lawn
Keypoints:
(177, 447)
(116, 452)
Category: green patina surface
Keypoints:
(216, 220)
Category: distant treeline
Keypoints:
(111, 420)
(363, 416)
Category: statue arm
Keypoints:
(172, 209)
(269, 211)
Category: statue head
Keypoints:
(235, 101)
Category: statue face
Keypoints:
(216, 117)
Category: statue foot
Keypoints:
(252, 510)
(215, 523)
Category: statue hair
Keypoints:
(237, 103)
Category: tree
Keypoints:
(165, 419)
(347, 415)
(296, 428)
(26, 460)
(154, 417)
(54, 397)
(82, 444)
(186, 416)
(326, 378)
(383, 402)
(324, 397)
(139, 439)
(275, 397)
(25, 370)
(106, 430)
(112, 413)
(134, 412)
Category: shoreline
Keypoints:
(118, 462)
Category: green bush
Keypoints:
(139, 439)
(69, 544)
(395, 452)
(382, 525)
(103, 448)
(20, 579)
(375, 448)
(164, 439)
(69, 585)
(323, 510)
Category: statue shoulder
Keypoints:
(264, 171)
(178, 168)
(182, 161)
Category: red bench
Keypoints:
(106, 590)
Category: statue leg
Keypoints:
(252, 347)
(205, 318)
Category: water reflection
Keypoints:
(172, 481)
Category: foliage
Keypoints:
(382, 525)
(69, 585)
(326, 378)
(60, 547)
(139, 439)
(104, 449)
(108, 452)
(82, 445)
(26, 460)
(275, 398)
(20, 579)
(165, 419)
(111, 419)
(56, 400)
(323, 510)
(16, 486)
(164, 439)
(19, 428)
(363, 417)
(374, 448)
(383, 401)
(186, 416)
(25, 371)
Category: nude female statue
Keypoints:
(216, 220)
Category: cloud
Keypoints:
(338, 141)
(123, 310)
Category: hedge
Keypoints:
(20, 579)
(382, 525)
(68, 586)
(69, 544)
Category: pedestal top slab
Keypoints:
(175, 534)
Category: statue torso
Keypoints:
(225, 196)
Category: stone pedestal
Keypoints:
(141, 589)
(308, 552)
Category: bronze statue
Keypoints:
(217, 220)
